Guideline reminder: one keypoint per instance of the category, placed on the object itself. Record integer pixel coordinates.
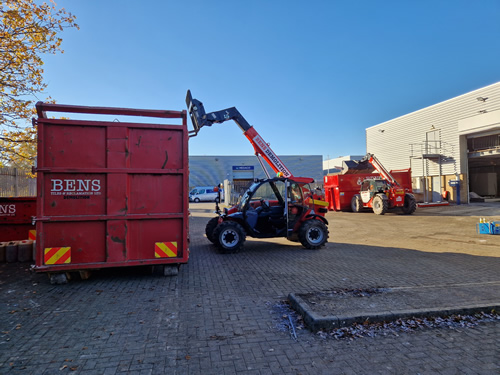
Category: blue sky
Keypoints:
(309, 76)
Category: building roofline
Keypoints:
(434, 105)
(238, 156)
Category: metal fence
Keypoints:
(16, 182)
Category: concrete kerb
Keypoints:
(312, 320)
(316, 322)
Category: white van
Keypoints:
(204, 194)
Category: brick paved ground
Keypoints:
(217, 316)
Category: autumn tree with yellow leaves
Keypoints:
(27, 32)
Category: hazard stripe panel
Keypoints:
(57, 255)
(32, 235)
(165, 249)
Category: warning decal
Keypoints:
(165, 249)
(57, 255)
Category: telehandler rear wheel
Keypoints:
(313, 234)
(410, 204)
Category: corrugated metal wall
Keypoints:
(395, 142)
(211, 170)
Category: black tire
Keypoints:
(58, 278)
(210, 227)
(313, 234)
(356, 204)
(380, 204)
(229, 236)
(197, 200)
(410, 204)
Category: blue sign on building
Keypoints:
(242, 167)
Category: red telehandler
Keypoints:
(282, 206)
(382, 194)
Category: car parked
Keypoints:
(205, 194)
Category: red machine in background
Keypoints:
(358, 187)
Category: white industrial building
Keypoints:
(458, 139)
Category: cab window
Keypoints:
(380, 185)
(295, 193)
(266, 191)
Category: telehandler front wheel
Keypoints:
(210, 228)
(229, 236)
(380, 204)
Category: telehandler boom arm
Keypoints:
(200, 118)
(381, 169)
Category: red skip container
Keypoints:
(16, 218)
(110, 194)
